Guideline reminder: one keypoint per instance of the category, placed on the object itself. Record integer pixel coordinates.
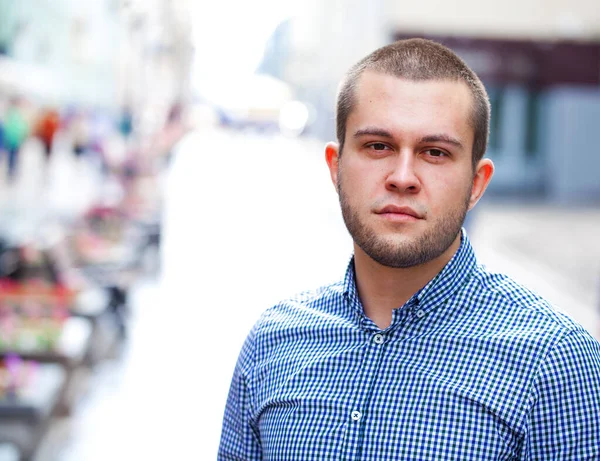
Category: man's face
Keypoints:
(405, 176)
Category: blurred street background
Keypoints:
(162, 182)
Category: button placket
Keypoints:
(365, 382)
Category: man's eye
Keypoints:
(378, 146)
(435, 153)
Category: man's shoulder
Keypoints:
(325, 298)
(304, 309)
(520, 304)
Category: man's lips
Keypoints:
(395, 211)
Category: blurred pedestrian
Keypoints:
(126, 123)
(47, 126)
(101, 126)
(16, 130)
(80, 131)
(419, 352)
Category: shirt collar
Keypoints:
(438, 289)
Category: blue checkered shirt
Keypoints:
(472, 367)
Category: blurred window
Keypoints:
(532, 124)
(496, 100)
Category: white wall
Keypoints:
(547, 19)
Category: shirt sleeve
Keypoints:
(564, 420)
(239, 438)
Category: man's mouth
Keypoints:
(399, 212)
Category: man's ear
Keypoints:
(483, 174)
(332, 158)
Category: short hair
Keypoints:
(418, 59)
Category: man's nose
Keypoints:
(402, 176)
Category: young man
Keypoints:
(419, 353)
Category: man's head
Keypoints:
(419, 60)
(413, 132)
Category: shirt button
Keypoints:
(378, 338)
(356, 415)
(420, 314)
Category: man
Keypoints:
(419, 353)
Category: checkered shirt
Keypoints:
(472, 367)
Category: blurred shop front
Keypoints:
(91, 104)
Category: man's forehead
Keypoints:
(440, 107)
(386, 87)
(370, 80)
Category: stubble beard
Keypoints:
(433, 242)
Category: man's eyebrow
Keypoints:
(371, 131)
(442, 138)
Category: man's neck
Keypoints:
(382, 289)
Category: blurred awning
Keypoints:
(28, 79)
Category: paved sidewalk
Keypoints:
(552, 250)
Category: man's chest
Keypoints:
(383, 400)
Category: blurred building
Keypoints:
(98, 53)
(154, 58)
(60, 51)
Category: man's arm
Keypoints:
(239, 440)
(564, 422)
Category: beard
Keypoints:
(430, 244)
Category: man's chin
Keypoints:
(397, 242)
(390, 248)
